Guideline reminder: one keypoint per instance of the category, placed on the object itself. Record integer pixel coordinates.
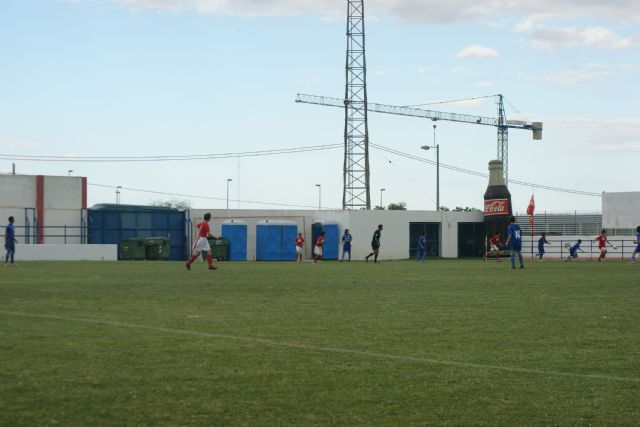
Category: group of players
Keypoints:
(347, 238)
(514, 243)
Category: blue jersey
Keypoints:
(574, 248)
(346, 241)
(515, 236)
(542, 241)
(422, 243)
(10, 234)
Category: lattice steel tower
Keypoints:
(356, 129)
(503, 139)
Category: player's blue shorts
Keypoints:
(516, 246)
(573, 254)
(637, 248)
(540, 249)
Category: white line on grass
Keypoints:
(325, 349)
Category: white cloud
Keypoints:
(551, 39)
(380, 73)
(602, 135)
(477, 52)
(424, 69)
(457, 70)
(429, 11)
(586, 73)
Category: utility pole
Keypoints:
(356, 129)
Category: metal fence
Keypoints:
(559, 248)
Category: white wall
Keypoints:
(395, 235)
(66, 253)
(621, 210)
(62, 205)
(17, 191)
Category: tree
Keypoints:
(400, 206)
(378, 208)
(173, 203)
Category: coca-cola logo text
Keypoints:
(496, 207)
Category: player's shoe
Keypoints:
(187, 266)
(522, 266)
(213, 267)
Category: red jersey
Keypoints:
(299, 242)
(204, 229)
(320, 241)
(494, 240)
(602, 241)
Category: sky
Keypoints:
(145, 78)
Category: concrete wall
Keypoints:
(66, 253)
(395, 236)
(621, 210)
(58, 202)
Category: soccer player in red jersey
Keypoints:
(602, 244)
(494, 243)
(299, 247)
(202, 244)
(317, 250)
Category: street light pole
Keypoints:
(437, 169)
(228, 181)
(69, 172)
(118, 194)
(437, 147)
(319, 196)
(381, 190)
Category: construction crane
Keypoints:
(500, 122)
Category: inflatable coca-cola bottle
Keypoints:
(497, 202)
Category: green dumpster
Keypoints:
(156, 248)
(131, 249)
(219, 249)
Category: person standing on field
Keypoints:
(299, 247)
(514, 241)
(494, 246)
(346, 244)
(602, 244)
(375, 245)
(637, 242)
(202, 244)
(541, 242)
(421, 249)
(317, 249)
(10, 243)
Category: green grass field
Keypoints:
(446, 343)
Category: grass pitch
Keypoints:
(397, 343)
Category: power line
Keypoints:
(449, 102)
(192, 196)
(273, 152)
(484, 175)
(117, 159)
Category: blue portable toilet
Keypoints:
(236, 232)
(331, 238)
(289, 234)
(268, 240)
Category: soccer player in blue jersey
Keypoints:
(637, 250)
(10, 242)
(346, 244)
(541, 242)
(421, 250)
(573, 251)
(514, 241)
